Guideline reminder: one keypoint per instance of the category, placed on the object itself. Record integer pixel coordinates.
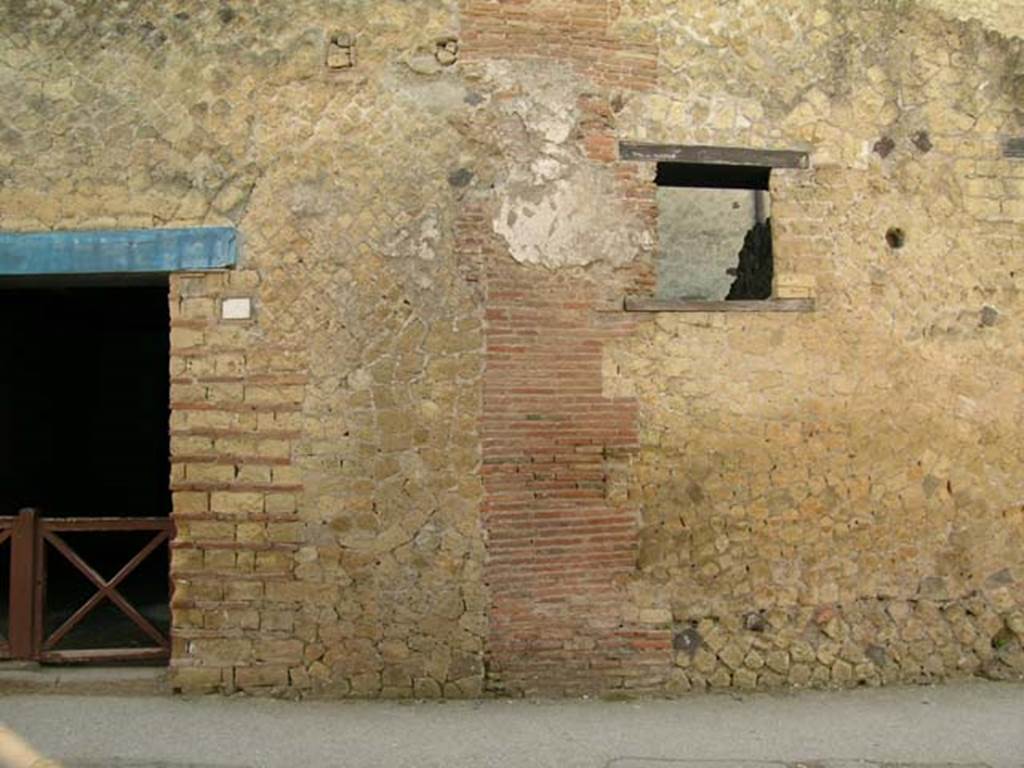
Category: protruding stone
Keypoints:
(720, 678)
(704, 661)
(802, 652)
(426, 688)
(842, 672)
(745, 678)
(821, 675)
(732, 656)
(778, 661)
(799, 674)
(678, 682)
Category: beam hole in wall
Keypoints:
(896, 238)
(714, 231)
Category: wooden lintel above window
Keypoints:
(1014, 148)
(688, 153)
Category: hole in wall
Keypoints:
(896, 238)
(340, 51)
(884, 146)
(446, 51)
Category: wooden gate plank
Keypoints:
(22, 602)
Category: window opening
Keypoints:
(714, 229)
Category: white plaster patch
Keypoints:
(543, 102)
(570, 222)
(430, 234)
(546, 168)
(556, 208)
(236, 309)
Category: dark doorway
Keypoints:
(84, 417)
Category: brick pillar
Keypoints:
(235, 417)
(561, 533)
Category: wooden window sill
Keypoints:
(649, 304)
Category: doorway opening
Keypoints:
(84, 435)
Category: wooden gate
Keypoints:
(34, 541)
(7, 525)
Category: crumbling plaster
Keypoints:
(556, 209)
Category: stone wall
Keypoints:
(325, 453)
(441, 459)
(836, 497)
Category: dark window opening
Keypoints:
(84, 432)
(712, 176)
(714, 228)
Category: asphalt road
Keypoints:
(972, 724)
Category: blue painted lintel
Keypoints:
(116, 251)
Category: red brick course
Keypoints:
(559, 547)
(576, 31)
